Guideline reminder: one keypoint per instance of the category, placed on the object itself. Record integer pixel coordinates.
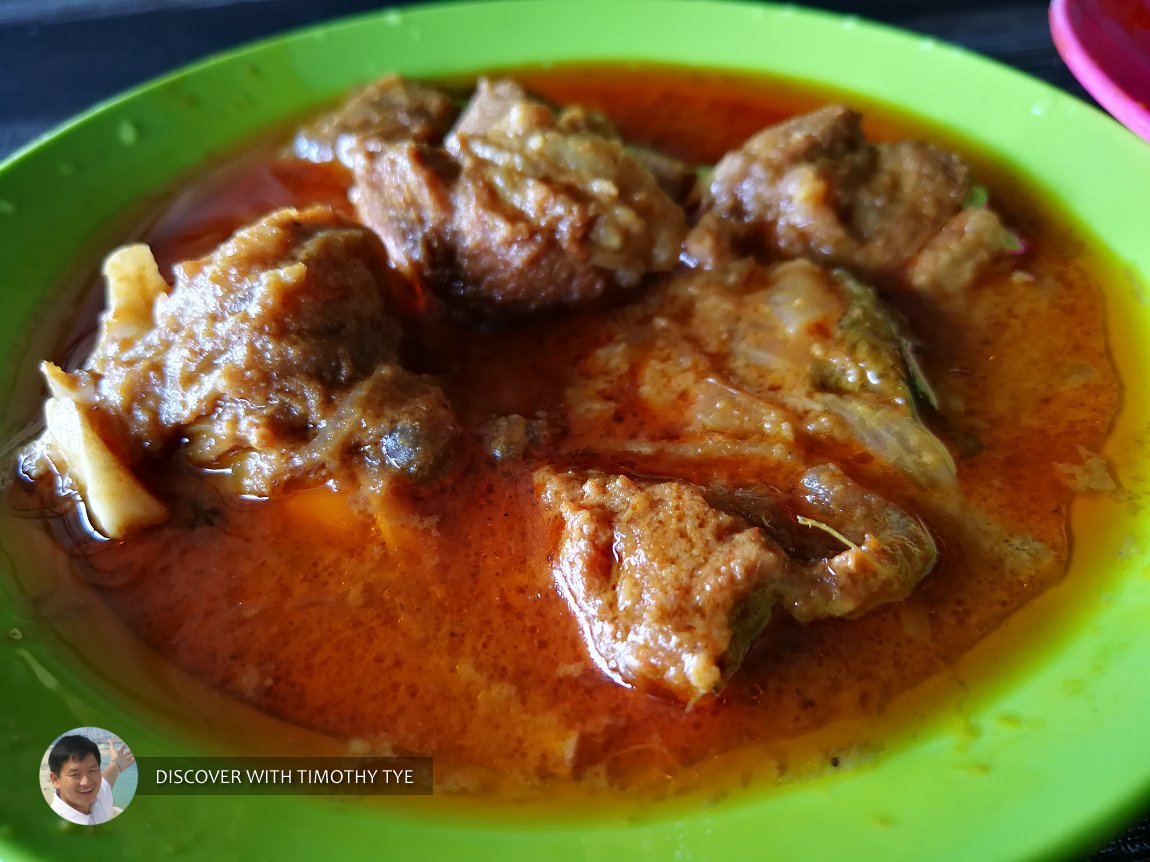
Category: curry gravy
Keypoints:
(428, 623)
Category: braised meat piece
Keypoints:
(953, 258)
(510, 438)
(668, 591)
(757, 364)
(276, 357)
(888, 550)
(674, 176)
(515, 213)
(671, 583)
(386, 111)
(813, 186)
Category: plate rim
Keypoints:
(112, 112)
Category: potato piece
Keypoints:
(117, 503)
(61, 384)
(134, 284)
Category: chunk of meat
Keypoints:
(813, 186)
(889, 550)
(849, 549)
(515, 213)
(953, 258)
(668, 592)
(503, 108)
(772, 366)
(275, 358)
(674, 176)
(671, 583)
(510, 438)
(386, 111)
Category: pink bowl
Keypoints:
(1106, 44)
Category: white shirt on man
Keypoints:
(101, 808)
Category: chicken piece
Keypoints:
(671, 583)
(516, 214)
(762, 365)
(275, 359)
(813, 186)
(668, 592)
(386, 111)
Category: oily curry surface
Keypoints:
(425, 617)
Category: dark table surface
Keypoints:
(59, 57)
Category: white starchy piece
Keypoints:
(134, 284)
(117, 503)
(61, 384)
(115, 500)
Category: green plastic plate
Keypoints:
(1041, 756)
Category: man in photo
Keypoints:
(83, 793)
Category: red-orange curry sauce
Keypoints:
(438, 629)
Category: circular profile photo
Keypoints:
(88, 775)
